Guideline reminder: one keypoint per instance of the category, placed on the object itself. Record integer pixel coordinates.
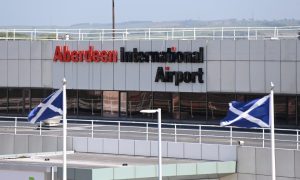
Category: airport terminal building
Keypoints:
(191, 80)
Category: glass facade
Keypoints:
(3, 101)
(72, 102)
(169, 104)
(217, 105)
(18, 100)
(298, 111)
(37, 96)
(89, 102)
(137, 101)
(192, 107)
(110, 103)
(123, 104)
(285, 110)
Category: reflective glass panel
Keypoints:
(123, 104)
(169, 104)
(285, 110)
(72, 102)
(110, 103)
(193, 106)
(18, 101)
(217, 105)
(138, 101)
(37, 96)
(89, 102)
(298, 110)
(3, 100)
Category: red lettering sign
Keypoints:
(63, 54)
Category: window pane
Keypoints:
(89, 102)
(72, 102)
(97, 103)
(175, 106)
(15, 101)
(37, 96)
(218, 105)
(291, 118)
(3, 100)
(18, 102)
(138, 101)
(250, 97)
(26, 98)
(241, 97)
(169, 104)
(298, 111)
(193, 106)
(84, 103)
(110, 103)
(285, 110)
(123, 104)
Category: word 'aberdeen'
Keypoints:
(63, 54)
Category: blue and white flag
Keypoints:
(254, 113)
(50, 107)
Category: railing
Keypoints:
(196, 133)
(250, 33)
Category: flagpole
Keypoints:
(272, 132)
(64, 130)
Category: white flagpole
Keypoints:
(272, 132)
(64, 130)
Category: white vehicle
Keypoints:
(54, 121)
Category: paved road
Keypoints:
(287, 140)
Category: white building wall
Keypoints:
(230, 66)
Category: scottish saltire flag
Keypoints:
(254, 113)
(50, 107)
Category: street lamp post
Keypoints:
(159, 138)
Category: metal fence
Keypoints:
(195, 133)
(250, 33)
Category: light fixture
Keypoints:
(159, 138)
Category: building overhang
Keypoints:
(198, 170)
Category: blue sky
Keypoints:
(68, 12)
